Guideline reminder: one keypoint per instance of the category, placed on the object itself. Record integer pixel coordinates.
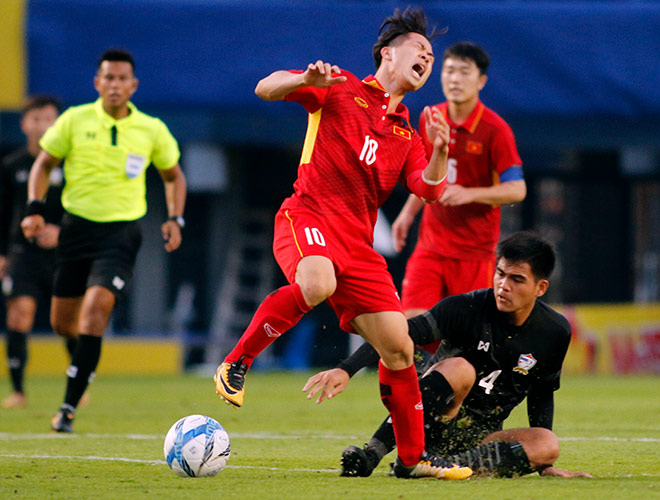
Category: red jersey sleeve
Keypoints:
(311, 98)
(503, 151)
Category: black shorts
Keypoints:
(463, 432)
(30, 273)
(95, 254)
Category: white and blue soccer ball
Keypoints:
(197, 446)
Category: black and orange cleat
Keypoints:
(229, 381)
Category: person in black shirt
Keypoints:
(494, 348)
(26, 267)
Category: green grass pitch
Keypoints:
(287, 447)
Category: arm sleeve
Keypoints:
(365, 355)
(166, 150)
(412, 173)
(444, 321)
(541, 407)
(420, 187)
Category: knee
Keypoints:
(543, 448)
(397, 353)
(316, 290)
(460, 374)
(63, 327)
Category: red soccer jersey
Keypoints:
(481, 149)
(354, 152)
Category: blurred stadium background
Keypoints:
(577, 81)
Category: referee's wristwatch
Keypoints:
(179, 220)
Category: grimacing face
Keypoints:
(461, 80)
(412, 60)
(115, 83)
(515, 287)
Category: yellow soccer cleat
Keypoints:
(431, 466)
(229, 381)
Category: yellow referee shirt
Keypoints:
(106, 160)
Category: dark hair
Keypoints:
(471, 51)
(40, 101)
(527, 246)
(411, 20)
(120, 55)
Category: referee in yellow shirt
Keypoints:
(108, 146)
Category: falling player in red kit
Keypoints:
(455, 251)
(359, 144)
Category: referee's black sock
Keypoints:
(81, 371)
(501, 458)
(16, 358)
(71, 343)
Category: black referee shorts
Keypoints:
(30, 273)
(95, 254)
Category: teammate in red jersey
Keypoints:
(359, 144)
(457, 237)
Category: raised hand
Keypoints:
(437, 129)
(322, 75)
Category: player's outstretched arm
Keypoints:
(277, 85)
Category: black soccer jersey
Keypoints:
(15, 170)
(511, 361)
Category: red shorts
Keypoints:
(364, 284)
(430, 278)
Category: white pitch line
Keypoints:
(636, 440)
(7, 436)
(157, 462)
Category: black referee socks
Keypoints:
(81, 371)
(16, 358)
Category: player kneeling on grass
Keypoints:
(497, 346)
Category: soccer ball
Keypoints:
(197, 446)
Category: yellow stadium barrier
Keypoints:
(12, 54)
(613, 338)
(125, 356)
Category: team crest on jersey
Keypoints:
(402, 132)
(474, 147)
(361, 102)
(525, 363)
